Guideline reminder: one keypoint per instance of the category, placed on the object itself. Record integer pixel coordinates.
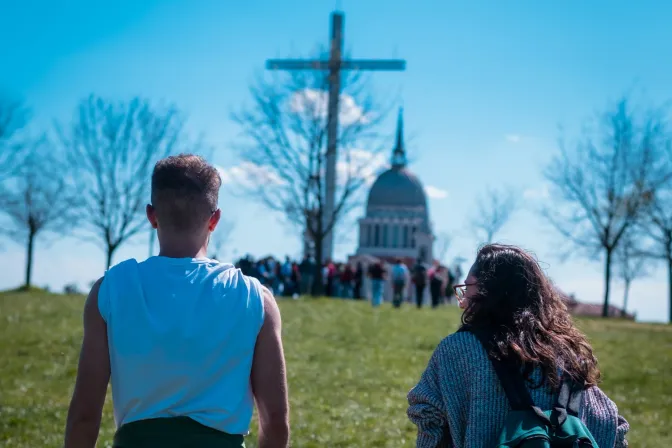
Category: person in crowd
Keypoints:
(377, 276)
(331, 274)
(346, 280)
(245, 265)
(286, 277)
(438, 279)
(432, 269)
(265, 276)
(189, 344)
(325, 279)
(307, 273)
(420, 281)
(400, 277)
(358, 280)
(430, 274)
(295, 280)
(276, 268)
(336, 287)
(514, 327)
(450, 282)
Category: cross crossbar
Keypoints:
(355, 64)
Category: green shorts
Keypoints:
(173, 432)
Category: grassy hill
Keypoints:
(349, 370)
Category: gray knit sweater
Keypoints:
(460, 389)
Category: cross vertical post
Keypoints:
(334, 66)
(335, 58)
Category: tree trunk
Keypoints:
(607, 283)
(668, 252)
(626, 294)
(669, 285)
(110, 252)
(318, 283)
(29, 258)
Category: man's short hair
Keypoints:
(185, 190)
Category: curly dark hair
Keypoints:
(517, 306)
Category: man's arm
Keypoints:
(93, 375)
(269, 379)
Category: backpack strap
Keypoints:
(511, 379)
(568, 402)
(570, 396)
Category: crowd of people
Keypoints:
(288, 278)
(291, 278)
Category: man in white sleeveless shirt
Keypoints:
(189, 344)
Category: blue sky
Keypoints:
(486, 86)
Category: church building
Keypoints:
(397, 223)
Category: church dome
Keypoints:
(397, 187)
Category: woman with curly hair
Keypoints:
(512, 316)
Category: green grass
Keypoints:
(350, 368)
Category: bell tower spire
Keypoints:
(399, 152)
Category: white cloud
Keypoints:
(513, 138)
(536, 194)
(357, 163)
(360, 164)
(435, 193)
(248, 175)
(314, 102)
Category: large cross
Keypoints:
(334, 65)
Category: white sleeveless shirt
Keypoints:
(181, 335)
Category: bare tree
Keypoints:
(37, 201)
(284, 149)
(221, 237)
(493, 211)
(658, 227)
(14, 116)
(631, 263)
(112, 147)
(601, 189)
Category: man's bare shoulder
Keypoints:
(96, 286)
(91, 304)
(271, 309)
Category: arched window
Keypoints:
(413, 237)
(376, 235)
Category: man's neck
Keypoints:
(183, 252)
(182, 247)
(174, 245)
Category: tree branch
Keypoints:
(112, 147)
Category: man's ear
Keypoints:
(151, 216)
(214, 220)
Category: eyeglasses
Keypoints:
(461, 290)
